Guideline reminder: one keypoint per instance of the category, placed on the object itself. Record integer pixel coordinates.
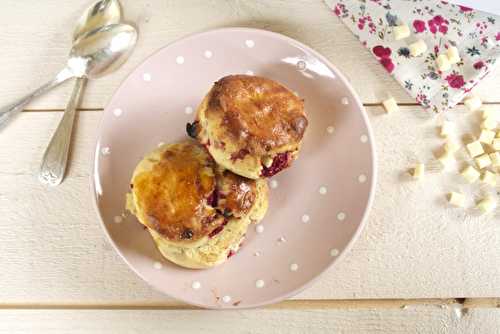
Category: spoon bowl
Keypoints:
(102, 50)
(99, 14)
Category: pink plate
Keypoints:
(317, 207)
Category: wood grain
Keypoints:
(427, 319)
(414, 246)
(35, 48)
(409, 272)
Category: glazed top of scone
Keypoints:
(259, 113)
(178, 192)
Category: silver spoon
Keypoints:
(96, 54)
(55, 158)
(74, 68)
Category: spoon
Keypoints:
(96, 54)
(53, 167)
(99, 14)
(76, 67)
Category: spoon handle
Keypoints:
(12, 109)
(55, 158)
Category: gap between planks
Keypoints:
(403, 104)
(303, 304)
(61, 110)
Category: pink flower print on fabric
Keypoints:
(465, 9)
(419, 26)
(384, 55)
(363, 21)
(455, 80)
(438, 23)
(478, 65)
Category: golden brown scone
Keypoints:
(196, 213)
(252, 126)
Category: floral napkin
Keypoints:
(440, 24)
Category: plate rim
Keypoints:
(371, 142)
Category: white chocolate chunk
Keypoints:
(453, 55)
(489, 178)
(473, 103)
(446, 158)
(418, 171)
(496, 144)
(486, 205)
(475, 148)
(267, 161)
(401, 32)
(483, 161)
(417, 48)
(495, 159)
(470, 174)
(489, 123)
(390, 105)
(442, 63)
(447, 129)
(451, 146)
(456, 199)
(487, 136)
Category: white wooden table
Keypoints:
(59, 273)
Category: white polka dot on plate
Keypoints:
(362, 178)
(105, 150)
(344, 101)
(226, 299)
(196, 285)
(118, 219)
(188, 110)
(208, 54)
(259, 228)
(323, 190)
(179, 60)
(157, 265)
(249, 72)
(256, 253)
(273, 184)
(294, 267)
(334, 252)
(260, 283)
(117, 112)
(146, 77)
(305, 218)
(249, 43)
(161, 144)
(341, 216)
(330, 129)
(363, 138)
(281, 239)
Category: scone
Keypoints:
(197, 213)
(252, 126)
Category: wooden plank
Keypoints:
(421, 319)
(291, 304)
(54, 251)
(35, 48)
